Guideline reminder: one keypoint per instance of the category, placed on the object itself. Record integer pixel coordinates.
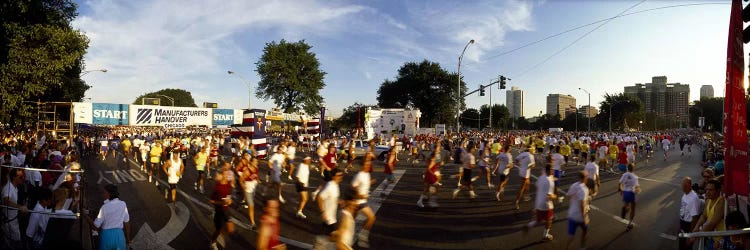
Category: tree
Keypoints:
(522, 123)
(626, 110)
(500, 114)
(425, 86)
(710, 108)
(470, 118)
(547, 121)
(182, 98)
(41, 56)
(290, 75)
(349, 119)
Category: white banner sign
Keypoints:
(169, 117)
(82, 112)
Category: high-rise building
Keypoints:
(560, 104)
(707, 91)
(589, 111)
(514, 102)
(666, 100)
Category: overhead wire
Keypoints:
(589, 24)
(577, 40)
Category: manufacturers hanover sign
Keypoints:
(169, 117)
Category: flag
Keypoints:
(736, 172)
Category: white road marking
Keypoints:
(221, 240)
(376, 199)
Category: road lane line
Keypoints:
(221, 240)
(664, 182)
(376, 200)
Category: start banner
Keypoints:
(224, 117)
(169, 117)
(109, 114)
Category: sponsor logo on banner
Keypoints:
(170, 117)
(144, 116)
(110, 114)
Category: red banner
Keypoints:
(737, 168)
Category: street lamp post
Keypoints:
(89, 71)
(589, 108)
(459, 98)
(168, 97)
(249, 87)
(85, 72)
(576, 116)
(610, 117)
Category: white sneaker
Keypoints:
(455, 193)
(301, 215)
(420, 204)
(214, 246)
(281, 199)
(472, 194)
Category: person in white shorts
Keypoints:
(174, 169)
(525, 162)
(504, 164)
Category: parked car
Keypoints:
(360, 148)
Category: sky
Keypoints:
(148, 45)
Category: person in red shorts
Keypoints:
(544, 204)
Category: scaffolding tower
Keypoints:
(51, 119)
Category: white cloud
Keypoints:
(150, 45)
(487, 23)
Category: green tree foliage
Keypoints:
(41, 56)
(500, 114)
(626, 110)
(425, 86)
(182, 98)
(348, 119)
(522, 123)
(470, 118)
(569, 123)
(547, 121)
(710, 108)
(291, 76)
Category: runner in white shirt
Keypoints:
(557, 161)
(665, 146)
(629, 187)
(578, 212)
(544, 205)
(328, 199)
(361, 184)
(592, 182)
(174, 169)
(144, 148)
(503, 166)
(525, 162)
(302, 182)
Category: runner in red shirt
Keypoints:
(221, 200)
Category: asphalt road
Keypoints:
(463, 223)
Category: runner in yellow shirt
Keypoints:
(565, 152)
(613, 150)
(577, 151)
(155, 161)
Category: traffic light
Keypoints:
(502, 81)
(481, 90)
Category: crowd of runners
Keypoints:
(227, 166)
